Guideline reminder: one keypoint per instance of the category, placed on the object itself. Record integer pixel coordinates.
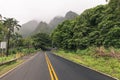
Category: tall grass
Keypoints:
(107, 64)
(5, 58)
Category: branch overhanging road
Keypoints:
(47, 66)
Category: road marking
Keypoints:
(51, 69)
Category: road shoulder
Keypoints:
(63, 57)
(17, 64)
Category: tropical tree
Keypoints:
(10, 24)
(0, 31)
(1, 28)
(15, 39)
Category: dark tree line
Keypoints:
(41, 41)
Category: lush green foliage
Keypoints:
(4, 58)
(15, 42)
(41, 40)
(7, 33)
(99, 26)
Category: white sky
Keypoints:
(45, 10)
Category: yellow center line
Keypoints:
(51, 69)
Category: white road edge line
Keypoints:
(88, 67)
(3, 75)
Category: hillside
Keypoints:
(98, 26)
(47, 28)
(27, 28)
(70, 15)
(55, 21)
(33, 27)
(42, 27)
(58, 20)
(92, 39)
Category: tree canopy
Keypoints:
(41, 40)
(98, 26)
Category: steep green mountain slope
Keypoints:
(58, 20)
(98, 26)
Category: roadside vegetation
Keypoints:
(5, 58)
(16, 46)
(90, 58)
(14, 54)
(5, 68)
(92, 39)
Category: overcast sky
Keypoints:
(45, 10)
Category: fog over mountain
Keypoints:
(54, 22)
(27, 28)
(32, 27)
(42, 27)
(57, 20)
(70, 15)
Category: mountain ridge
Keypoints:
(55, 21)
(33, 27)
(25, 30)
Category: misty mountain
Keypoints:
(55, 21)
(70, 15)
(32, 27)
(58, 20)
(47, 28)
(42, 27)
(27, 28)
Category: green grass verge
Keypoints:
(17, 53)
(4, 58)
(5, 68)
(106, 65)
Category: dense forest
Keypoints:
(98, 26)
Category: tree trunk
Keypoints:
(8, 42)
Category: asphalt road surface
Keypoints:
(47, 66)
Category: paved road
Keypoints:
(67, 70)
(34, 69)
(51, 67)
